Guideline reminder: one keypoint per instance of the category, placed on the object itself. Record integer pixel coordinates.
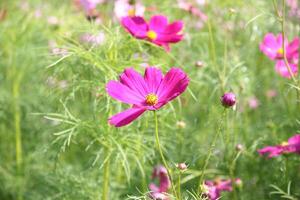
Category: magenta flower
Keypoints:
(283, 70)
(228, 99)
(160, 191)
(157, 31)
(291, 146)
(89, 5)
(150, 92)
(213, 189)
(271, 46)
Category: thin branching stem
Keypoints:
(162, 155)
(212, 146)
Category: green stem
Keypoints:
(105, 195)
(161, 153)
(178, 187)
(18, 135)
(212, 146)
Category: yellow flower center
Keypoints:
(151, 35)
(280, 51)
(151, 99)
(131, 12)
(284, 144)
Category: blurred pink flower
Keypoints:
(52, 20)
(271, 46)
(253, 103)
(187, 6)
(213, 189)
(96, 39)
(150, 92)
(124, 8)
(291, 146)
(160, 191)
(271, 93)
(89, 5)
(157, 31)
(55, 50)
(282, 69)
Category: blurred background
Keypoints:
(56, 57)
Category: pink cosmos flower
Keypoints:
(193, 10)
(291, 146)
(124, 8)
(89, 5)
(150, 92)
(160, 191)
(213, 189)
(157, 31)
(271, 46)
(282, 69)
(253, 102)
(93, 39)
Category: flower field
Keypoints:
(148, 99)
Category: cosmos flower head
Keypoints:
(212, 189)
(271, 46)
(124, 8)
(160, 191)
(291, 146)
(148, 93)
(157, 30)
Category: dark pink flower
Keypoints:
(160, 192)
(228, 99)
(157, 31)
(150, 92)
(213, 189)
(271, 46)
(291, 146)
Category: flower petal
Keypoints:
(269, 46)
(153, 77)
(126, 117)
(122, 93)
(282, 69)
(272, 151)
(174, 83)
(137, 26)
(164, 38)
(134, 81)
(158, 23)
(174, 27)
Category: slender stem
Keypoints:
(18, 135)
(178, 187)
(212, 146)
(105, 195)
(161, 153)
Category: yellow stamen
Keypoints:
(131, 12)
(280, 51)
(284, 143)
(151, 35)
(151, 99)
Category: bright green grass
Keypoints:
(65, 147)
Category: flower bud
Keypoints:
(228, 100)
(239, 147)
(181, 166)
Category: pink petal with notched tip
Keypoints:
(137, 26)
(127, 116)
(174, 27)
(134, 81)
(153, 77)
(282, 69)
(272, 151)
(158, 23)
(269, 46)
(163, 38)
(123, 93)
(174, 83)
